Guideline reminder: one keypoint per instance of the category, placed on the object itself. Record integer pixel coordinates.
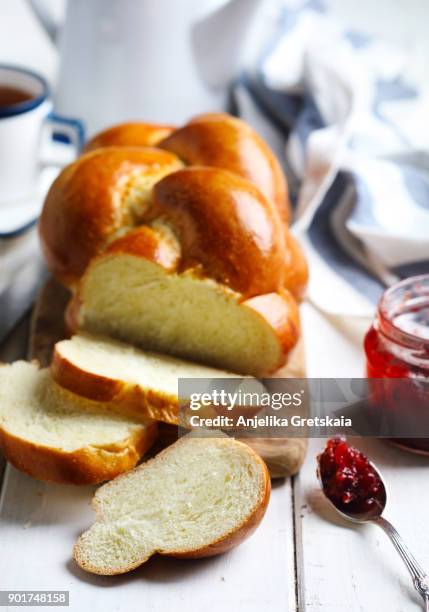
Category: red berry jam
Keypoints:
(348, 478)
(397, 347)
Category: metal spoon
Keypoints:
(418, 575)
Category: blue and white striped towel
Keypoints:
(354, 138)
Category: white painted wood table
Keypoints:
(301, 558)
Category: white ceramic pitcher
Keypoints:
(159, 60)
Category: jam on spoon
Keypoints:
(357, 491)
(349, 480)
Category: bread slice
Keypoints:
(137, 383)
(199, 497)
(54, 435)
(128, 294)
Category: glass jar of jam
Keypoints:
(397, 347)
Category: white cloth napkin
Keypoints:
(352, 131)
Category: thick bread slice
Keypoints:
(199, 497)
(140, 384)
(132, 293)
(54, 435)
(135, 300)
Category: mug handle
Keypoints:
(72, 129)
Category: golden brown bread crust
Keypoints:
(83, 383)
(129, 399)
(224, 226)
(85, 205)
(296, 273)
(89, 465)
(150, 244)
(223, 544)
(133, 134)
(234, 538)
(212, 139)
(222, 141)
(281, 312)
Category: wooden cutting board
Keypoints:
(283, 456)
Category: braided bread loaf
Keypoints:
(177, 241)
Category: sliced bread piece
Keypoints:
(138, 383)
(54, 435)
(199, 497)
(136, 300)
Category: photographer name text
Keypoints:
(269, 420)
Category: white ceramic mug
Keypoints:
(23, 125)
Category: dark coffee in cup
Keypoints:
(13, 95)
(26, 120)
